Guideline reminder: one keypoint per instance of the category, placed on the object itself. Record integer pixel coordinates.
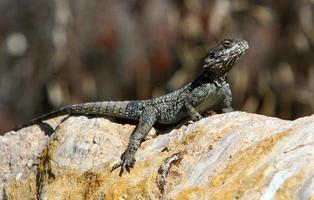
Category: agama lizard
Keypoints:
(208, 89)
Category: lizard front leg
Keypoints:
(146, 122)
(227, 102)
(195, 116)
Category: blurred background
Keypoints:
(60, 52)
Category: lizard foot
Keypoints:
(196, 117)
(226, 110)
(127, 162)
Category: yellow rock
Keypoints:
(228, 156)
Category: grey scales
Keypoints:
(209, 89)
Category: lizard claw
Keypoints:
(190, 122)
(127, 162)
(116, 166)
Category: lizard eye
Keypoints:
(211, 55)
(227, 43)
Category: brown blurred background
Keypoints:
(60, 52)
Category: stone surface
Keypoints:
(227, 156)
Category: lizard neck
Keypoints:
(205, 78)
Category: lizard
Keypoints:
(210, 88)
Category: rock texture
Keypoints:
(228, 156)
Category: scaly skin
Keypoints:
(210, 88)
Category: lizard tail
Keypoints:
(56, 113)
(121, 109)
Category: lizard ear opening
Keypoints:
(211, 55)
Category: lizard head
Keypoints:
(221, 58)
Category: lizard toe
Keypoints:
(127, 162)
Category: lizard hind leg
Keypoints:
(146, 122)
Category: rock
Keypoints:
(227, 156)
